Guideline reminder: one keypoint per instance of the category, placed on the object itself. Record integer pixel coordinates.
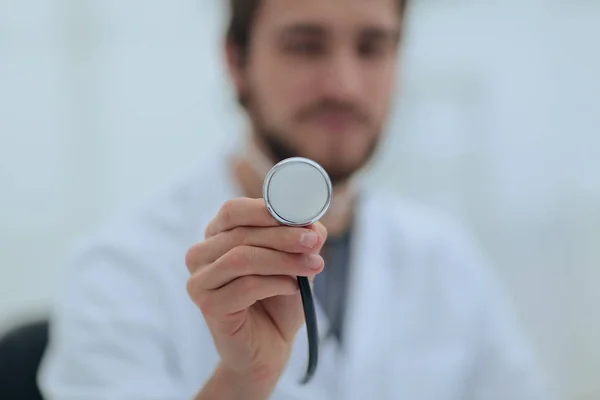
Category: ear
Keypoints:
(235, 66)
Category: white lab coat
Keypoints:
(426, 318)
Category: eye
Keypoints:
(305, 47)
(373, 48)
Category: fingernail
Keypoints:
(314, 261)
(309, 239)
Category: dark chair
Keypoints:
(21, 350)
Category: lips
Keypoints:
(336, 121)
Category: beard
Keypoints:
(278, 147)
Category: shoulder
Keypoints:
(154, 234)
(434, 247)
(419, 226)
(440, 259)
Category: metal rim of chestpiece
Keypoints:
(272, 173)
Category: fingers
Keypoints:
(243, 292)
(320, 229)
(247, 260)
(240, 212)
(282, 238)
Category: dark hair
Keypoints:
(243, 15)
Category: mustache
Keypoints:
(334, 106)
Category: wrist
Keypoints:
(227, 384)
(258, 380)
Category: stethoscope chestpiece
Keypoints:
(297, 192)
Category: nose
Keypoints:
(341, 77)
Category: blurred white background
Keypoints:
(104, 102)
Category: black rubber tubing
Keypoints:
(312, 328)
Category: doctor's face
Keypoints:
(318, 77)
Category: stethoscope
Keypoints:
(298, 192)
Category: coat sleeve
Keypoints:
(505, 365)
(108, 336)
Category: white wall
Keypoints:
(101, 103)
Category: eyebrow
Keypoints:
(381, 33)
(303, 29)
(311, 29)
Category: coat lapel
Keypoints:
(371, 284)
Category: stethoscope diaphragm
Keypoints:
(297, 191)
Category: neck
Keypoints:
(249, 173)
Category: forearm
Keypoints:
(224, 385)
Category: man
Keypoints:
(407, 308)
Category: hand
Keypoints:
(244, 282)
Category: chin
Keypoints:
(344, 155)
(340, 164)
(338, 154)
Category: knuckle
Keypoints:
(238, 257)
(189, 287)
(249, 253)
(201, 299)
(192, 287)
(250, 283)
(226, 213)
(191, 257)
(239, 235)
